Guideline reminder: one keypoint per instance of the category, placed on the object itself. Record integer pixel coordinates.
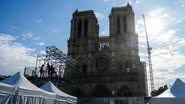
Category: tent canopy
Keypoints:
(6, 88)
(20, 81)
(52, 88)
(49, 86)
(18, 90)
(25, 86)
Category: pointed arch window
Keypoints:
(86, 29)
(79, 29)
(124, 24)
(84, 68)
(73, 26)
(118, 24)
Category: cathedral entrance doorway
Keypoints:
(101, 90)
(124, 91)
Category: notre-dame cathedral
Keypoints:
(108, 65)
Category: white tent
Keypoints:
(6, 92)
(6, 88)
(49, 86)
(24, 92)
(173, 95)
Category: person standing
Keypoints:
(41, 70)
(48, 69)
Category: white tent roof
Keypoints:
(26, 87)
(6, 85)
(49, 86)
(6, 88)
(176, 90)
(52, 88)
(20, 81)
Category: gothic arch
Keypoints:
(124, 91)
(101, 90)
(103, 55)
(79, 92)
(118, 24)
(86, 28)
(125, 24)
(84, 68)
(79, 28)
(121, 61)
(82, 64)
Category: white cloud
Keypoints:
(30, 35)
(180, 2)
(166, 56)
(39, 21)
(123, 2)
(6, 38)
(32, 38)
(107, 0)
(13, 27)
(103, 33)
(40, 43)
(42, 52)
(13, 56)
(99, 15)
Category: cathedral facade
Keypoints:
(108, 65)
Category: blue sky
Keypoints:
(27, 26)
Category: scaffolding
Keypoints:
(51, 64)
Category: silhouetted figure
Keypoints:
(52, 70)
(25, 71)
(48, 69)
(41, 70)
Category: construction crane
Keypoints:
(149, 56)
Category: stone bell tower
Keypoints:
(84, 32)
(84, 25)
(122, 21)
(124, 39)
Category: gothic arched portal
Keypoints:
(101, 90)
(79, 92)
(124, 91)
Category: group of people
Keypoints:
(49, 69)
